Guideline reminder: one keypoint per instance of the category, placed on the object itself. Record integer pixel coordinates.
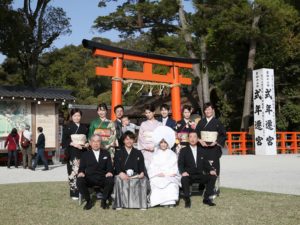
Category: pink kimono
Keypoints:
(145, 139)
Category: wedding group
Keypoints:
(150, 165)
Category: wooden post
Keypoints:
(116, 97)
(175, 94)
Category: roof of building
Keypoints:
(54, 94)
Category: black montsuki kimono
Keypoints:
(131, 193)
(213, 153)
(183, 129)
(72, 154)
(134, 161)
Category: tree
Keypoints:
(242, 38)
(26, 32)
(158, 19)
(189, 45)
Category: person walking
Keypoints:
(40, 145)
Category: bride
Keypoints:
(163, 169)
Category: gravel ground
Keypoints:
(278, 174)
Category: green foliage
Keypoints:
(73, 68)
(26, 32)
(153, 17)
(228, 36)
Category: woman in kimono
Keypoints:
(105, 128)
(163, 170)
(212, 136)
(145, 141)
(74, 141)
(130, 189)
(184, 127)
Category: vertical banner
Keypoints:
(264, 112)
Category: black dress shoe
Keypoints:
(88, 205)
(45, 169)
(187, 203)
(208, 202)
(104, 205)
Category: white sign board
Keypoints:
(45, 118)
(264, 112)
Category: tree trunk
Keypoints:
(30, 74)
(249, 80)
(188, 41)
(205, 78)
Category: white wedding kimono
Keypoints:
(164, 190)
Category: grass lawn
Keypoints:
(48, 203)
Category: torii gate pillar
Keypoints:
(175, 95)
(116, 98)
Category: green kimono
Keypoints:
(106, 129)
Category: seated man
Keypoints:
(195, 169)
(95, 169)
(130, 190)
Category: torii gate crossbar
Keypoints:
(118, 72)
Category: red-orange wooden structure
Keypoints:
(243, 143)
(118, 72)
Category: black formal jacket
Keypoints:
(69, 129)
(135, 161)
(40, 144)
(119, 133)
(170, 122)
(91, 168)
(186, 162)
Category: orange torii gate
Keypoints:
(173, 78)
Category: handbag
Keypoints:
(17, 146)
(24, 142)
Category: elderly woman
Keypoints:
(130, 190)
(74, 141)
(105, 128)
(163, 170)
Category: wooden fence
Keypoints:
(243, 143)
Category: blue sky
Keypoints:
(82, 14)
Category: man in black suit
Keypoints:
(95, 169)
(40, 145)
(195, 169)
(119, 112)
(164, 119)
